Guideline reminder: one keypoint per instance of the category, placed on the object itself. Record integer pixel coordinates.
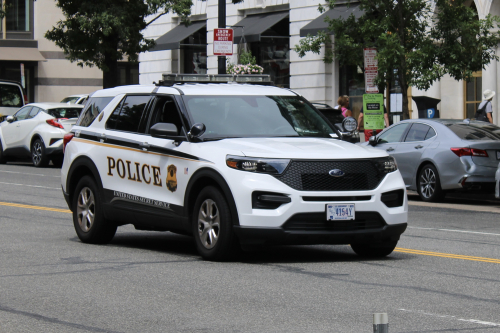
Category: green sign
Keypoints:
(373, 111)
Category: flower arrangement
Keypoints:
(244, 69)
(250, 68)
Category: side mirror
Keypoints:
(197, 130)
(164, 131)
(10, 119)
(372, 141)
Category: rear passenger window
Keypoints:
(430, 134)
(94, 106)
(127, 116)
(33, 112)
(417, 132)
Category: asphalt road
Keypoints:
(444, 276)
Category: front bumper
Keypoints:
(280, 236)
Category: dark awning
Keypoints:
(340, 11)
(172, 39)
(253, 26)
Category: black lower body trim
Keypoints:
(280, 236)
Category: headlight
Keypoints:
(386, 164)
(349, 124)
(255, 164)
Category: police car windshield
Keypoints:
(256, 116)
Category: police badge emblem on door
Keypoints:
(171, 178)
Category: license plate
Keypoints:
(498, 154)
(339, 212)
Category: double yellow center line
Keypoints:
(398, 249)
(35, 207)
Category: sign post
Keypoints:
(371, 70)
(223, 43)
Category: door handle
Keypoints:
(419, 146)
(144, 146)
(102, 137)
(390, 149)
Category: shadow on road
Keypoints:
(184, 246)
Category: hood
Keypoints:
(304, 148)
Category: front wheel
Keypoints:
(88, 217)
(375, 250)
(212, 226)
(429, 185)
(38, 155)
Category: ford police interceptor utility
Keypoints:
(232, 165)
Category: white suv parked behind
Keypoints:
(230, 164)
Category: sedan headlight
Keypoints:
(255, 164)
(386, 164)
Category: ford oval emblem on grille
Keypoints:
(336, 173)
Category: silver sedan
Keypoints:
(438, 155)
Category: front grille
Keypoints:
(360, 175)
(318, 222)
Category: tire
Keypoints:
(3, 160)
(429, 184)
(88, 216)
(374, 250)
(38, 155)
(58, 161)
(212, 226)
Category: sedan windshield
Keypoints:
(257, 116)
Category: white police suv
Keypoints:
(232, 165)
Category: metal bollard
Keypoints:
(380, 323)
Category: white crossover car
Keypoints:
(76, 99)
(36, 131)
(230, 164)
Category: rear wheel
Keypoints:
(374, 250)
(38, 155)
(429, 185)
(88, 217)
(212, 226)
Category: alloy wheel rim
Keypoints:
(427, 183)
(85, 209)
(208, 223)
(37, 152)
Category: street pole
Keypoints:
(222, 24)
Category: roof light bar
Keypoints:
(171, 79)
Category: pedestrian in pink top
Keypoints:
(343, 102)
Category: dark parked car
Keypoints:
(335, 117)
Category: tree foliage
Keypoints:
(102, 32)
(418, 41)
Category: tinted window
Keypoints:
(92, 109)
(23, 113)
(128, 115)
(393, 134)
(430, 134)
(165, 111)
(256, 116)
(417, 132)
(476, 131)
(10, 95)
(34, 112)
(65, 112)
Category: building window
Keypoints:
(128, 73)
(194, 49)
(273, 52)
(352, 84)
(473, 94)
(18, 15)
